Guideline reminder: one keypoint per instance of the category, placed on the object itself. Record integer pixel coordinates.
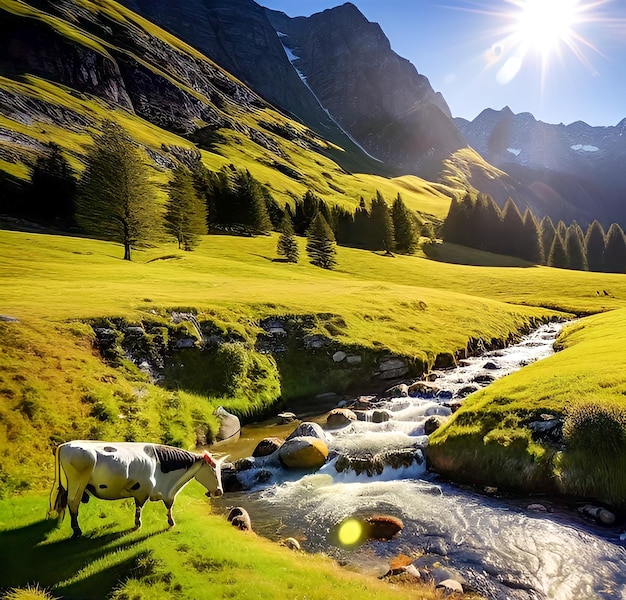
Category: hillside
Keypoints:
(67, 68)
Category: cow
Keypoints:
(115, 470)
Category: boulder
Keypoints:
(383, 527)
(291, 543)
(184, 343)
(484, 378)
(466, 390)
(315, 341)
(380, 416)
(339, 356)
(398, 391)
(354, 359)
(244, 464)
(491, 366)
(392, 368)
(450, 586)
(433, 423)
(9, 319)
(340, 417)
(304, 452)
(267, 446)
(363, 402)
(598, 514)
(536, 508)
(229, 424)
(286, 417)
(308, 429)
(425, 389)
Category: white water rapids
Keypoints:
(502, 549)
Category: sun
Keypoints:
(548, 29)
(545, 24)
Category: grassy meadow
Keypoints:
(54, 386)
(202, 557)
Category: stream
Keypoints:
(499, 546)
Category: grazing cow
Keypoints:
(114, 470)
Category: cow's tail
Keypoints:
(58, 495)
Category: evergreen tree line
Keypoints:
(115, 199)
(375, 228)
(480, 223)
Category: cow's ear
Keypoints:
(208, 459)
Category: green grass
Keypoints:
(202, 557)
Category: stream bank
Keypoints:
(502, 547)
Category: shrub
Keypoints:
(598, 426)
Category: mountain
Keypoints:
(66, 65)
(238, 36)
(332, 71)
(377, 96)
(576, 169)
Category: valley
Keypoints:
(211, 204)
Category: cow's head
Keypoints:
(210, 474)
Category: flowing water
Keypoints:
(502, 549)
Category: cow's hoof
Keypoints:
(77, 534)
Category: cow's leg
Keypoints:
(138, 508)
(73, 506)
(170, 518)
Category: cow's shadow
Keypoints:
(27, 556)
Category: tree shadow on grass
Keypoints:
(462, 255)
(87, 567)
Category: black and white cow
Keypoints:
(114, 470)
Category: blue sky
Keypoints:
(562, 60)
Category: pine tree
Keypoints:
(51, 196)
(575, 248)
(305, 212)
(185, 211)
(381, 225)
(595, 242)
(287, 244)
(512, 230)
(406, 236)
(532, 247)
(361, 236)
(558, 255)
(458, 223)
(488, 224)
(547, 235)
(615, 254)
(116, 200)
(320, 246)
(249, 210)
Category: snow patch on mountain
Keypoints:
(292, 58)
(515, 151)
(584, 148)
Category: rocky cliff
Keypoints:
(239, 37)
(375, 95)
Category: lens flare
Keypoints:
(543, 30)
(350, 532)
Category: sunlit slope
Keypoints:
(399, 303)
(242, 128)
